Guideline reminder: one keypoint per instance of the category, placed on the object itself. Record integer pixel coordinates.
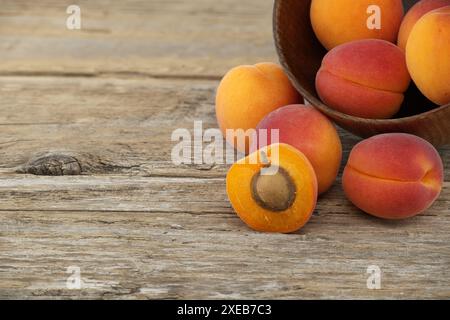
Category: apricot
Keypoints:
(282, 201)
(364, 78)
(247, 94)
(428, 55)
(309, 131)
(393, 176)
(336, 22)
(414, 14)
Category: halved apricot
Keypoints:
(273, 189)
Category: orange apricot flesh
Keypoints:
(282, 201)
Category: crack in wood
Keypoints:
(112, 74)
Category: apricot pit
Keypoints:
(274, 192)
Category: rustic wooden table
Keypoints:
(101, 103)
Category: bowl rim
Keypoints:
(317, 103)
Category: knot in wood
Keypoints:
(52, 164)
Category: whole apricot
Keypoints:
(309, 131)
(336, 22)
(414, 14)
(247, 94)
(393, 176)
(428, 55)
(364, 78)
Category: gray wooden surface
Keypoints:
(102, 103)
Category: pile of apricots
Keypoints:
(364, 74)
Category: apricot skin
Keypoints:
(248, 93)
(365, 78)
(414, 14)
(336, 22)
(427, 55)
(309, 131)
(393, 176)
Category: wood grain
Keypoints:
(198, 38)
(161, 255)
(86, 177)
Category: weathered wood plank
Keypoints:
(161, 255)
(148, 194)
(154, 38)
(111, 125)
(109, 193)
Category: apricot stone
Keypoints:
(248, 93)
(414, 14)
(310, 132)
(364, 78)
(428, 55)
(393, 176)
(336, 22)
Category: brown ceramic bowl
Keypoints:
(301, 55)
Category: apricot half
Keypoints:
(247, 94)
(273, 189)
(393, 176)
